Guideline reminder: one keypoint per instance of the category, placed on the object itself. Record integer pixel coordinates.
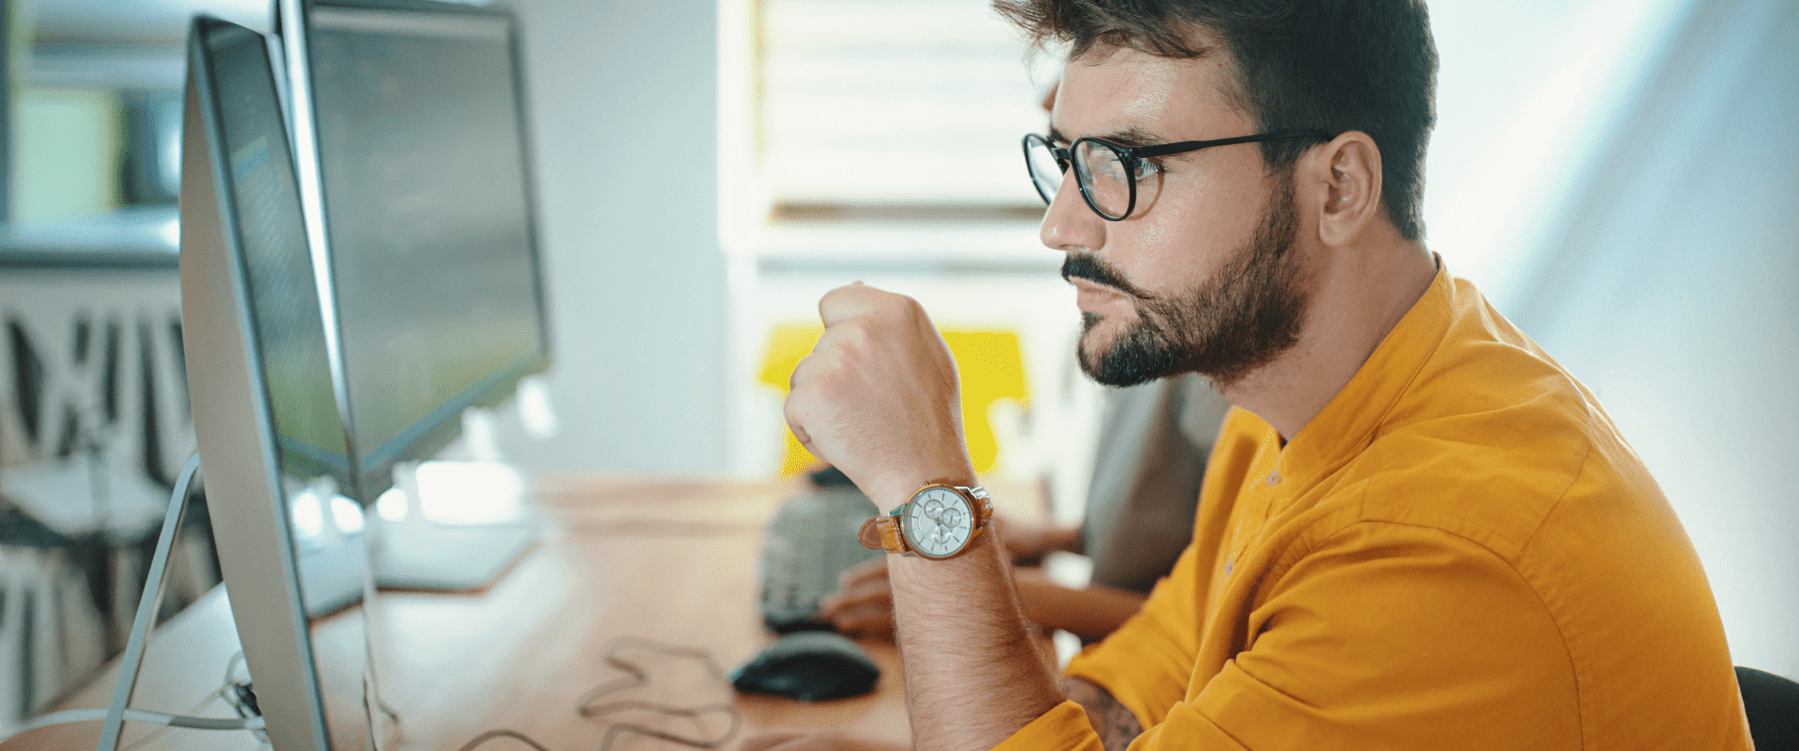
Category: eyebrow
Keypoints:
(1131, 136)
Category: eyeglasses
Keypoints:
(1107, 173)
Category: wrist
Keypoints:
(938, 522)
(894, 491)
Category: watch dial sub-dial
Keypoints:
(939, 523)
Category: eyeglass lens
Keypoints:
(1097, 168)
(1045, 172)
(1108, 185)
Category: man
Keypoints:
(1416, 530)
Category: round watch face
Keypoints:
(938, 522)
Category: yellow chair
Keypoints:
(991, 365)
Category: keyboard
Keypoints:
(808, 543)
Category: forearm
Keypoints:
(1028, 541)
(974, 673)
(878, 398)
(1067, 539)
(1090, 613)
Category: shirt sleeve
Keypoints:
(1388, 635)
(1147, 664)
(1382, 635)
(1064, 728)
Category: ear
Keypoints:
(1347, 179)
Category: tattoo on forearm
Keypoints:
(1116, 724)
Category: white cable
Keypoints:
(138, 715)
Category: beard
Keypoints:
(1223, 328)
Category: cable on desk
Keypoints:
(371, 685)
(492, 734)
(139, 715)
(635, 676)
(239, 694)
(621, 728)
(242, 722)
(223, 691)
(372, 703)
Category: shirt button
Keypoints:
(1274, 478)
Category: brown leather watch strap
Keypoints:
(881, 533)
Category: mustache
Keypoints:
(1089, 267)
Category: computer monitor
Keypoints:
(272, 448)
(413, 114)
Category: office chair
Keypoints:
(1772, 704)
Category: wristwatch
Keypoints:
(939, 521)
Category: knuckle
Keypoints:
(856, 335)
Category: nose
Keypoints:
(1070, 224)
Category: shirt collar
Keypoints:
(1349, 422)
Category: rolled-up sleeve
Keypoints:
(1148, 663)
(1383, 635)
(1064, 728)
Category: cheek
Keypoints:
(1154, 239)
(1197, 228)
(1169, 254)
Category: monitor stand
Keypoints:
(420, 552)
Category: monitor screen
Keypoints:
(282, 292)
(428, 217)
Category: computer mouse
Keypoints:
(809, 666)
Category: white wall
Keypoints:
(624, 96)
(1670, 291)
(1528, 92)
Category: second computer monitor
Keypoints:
(417, 113)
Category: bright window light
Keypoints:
(308, 513)
(347, 513)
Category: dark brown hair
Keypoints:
(1331, 65)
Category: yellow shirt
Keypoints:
(1459, 551)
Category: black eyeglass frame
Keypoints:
(1129, 156)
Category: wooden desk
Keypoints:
(669, 560)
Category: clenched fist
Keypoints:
(878, 397)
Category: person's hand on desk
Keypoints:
(863, 603)
(813, 739)
(862, 606)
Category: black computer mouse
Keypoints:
(809, 666)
